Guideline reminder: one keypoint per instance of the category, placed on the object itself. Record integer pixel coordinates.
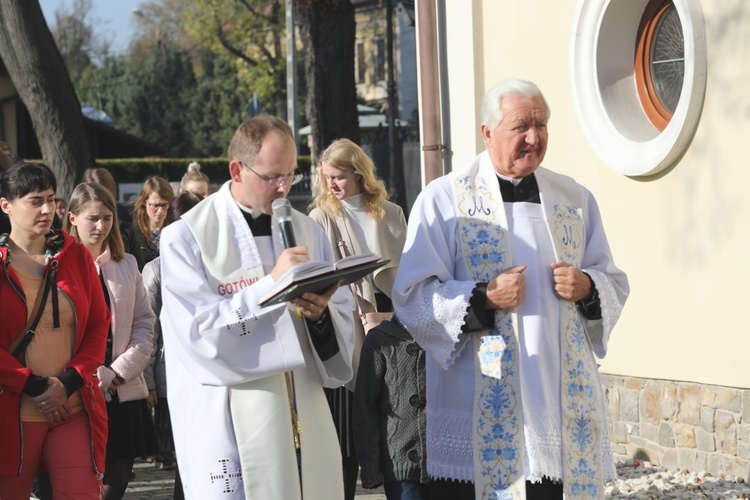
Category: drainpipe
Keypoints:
(430, 116)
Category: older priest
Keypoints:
(508, 283)
(249, 414)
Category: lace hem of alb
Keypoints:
(543, 443)
(542, 432)
(610, 303)
(436, 313)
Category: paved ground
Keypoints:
(151, 483)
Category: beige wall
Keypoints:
(681, 238)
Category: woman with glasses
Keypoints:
(150, 213)
(156, 371)
(352, 205)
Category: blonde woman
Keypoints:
(150, 213)
(349, 199)
(92, 220)
(194, 180)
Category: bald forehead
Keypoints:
(279, 141)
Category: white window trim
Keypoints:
(604, 89)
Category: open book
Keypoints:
(317, 276)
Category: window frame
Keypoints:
(606, 100)
(655, 11)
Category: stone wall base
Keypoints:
(680, 425)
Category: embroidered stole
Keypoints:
(497, 429)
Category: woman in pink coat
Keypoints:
(92, 220)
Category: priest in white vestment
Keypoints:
(249, 415)
(508, 284)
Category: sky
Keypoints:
(112, 19)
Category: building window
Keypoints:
(639, 80)
(359, 62)
(379, 59)
(660, 61)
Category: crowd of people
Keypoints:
(462, 368)
(79, 327)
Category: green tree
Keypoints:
(76, 40)
(152, 100)
(216, 108)
(250, 31)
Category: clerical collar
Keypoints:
(260, 223)
(255, 213)
(515, 182)
(519, 190)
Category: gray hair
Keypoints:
(491, 112)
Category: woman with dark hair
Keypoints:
(51, 412)
(92, 220)
(156, 375)
(150, 214)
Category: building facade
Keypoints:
(650, 112)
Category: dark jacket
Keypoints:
(389, 407)
(132, 247)
(137, 244)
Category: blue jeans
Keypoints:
(405, 490)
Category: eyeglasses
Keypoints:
(158, 206)
(280, 181)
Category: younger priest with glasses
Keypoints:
(249, 414)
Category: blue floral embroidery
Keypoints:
(582, 434)
(585, 485)
(499, 421)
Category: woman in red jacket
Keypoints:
(52, 413)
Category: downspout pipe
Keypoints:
(430, 108)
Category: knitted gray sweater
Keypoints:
(389, 407)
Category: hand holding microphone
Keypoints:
(309, 305)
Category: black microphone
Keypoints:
(282, 210)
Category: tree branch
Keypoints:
(233, 50)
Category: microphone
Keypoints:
(282, 210)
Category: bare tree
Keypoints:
(328, 35)
(37, 70)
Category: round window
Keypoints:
(660, 61)
(639, 79)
